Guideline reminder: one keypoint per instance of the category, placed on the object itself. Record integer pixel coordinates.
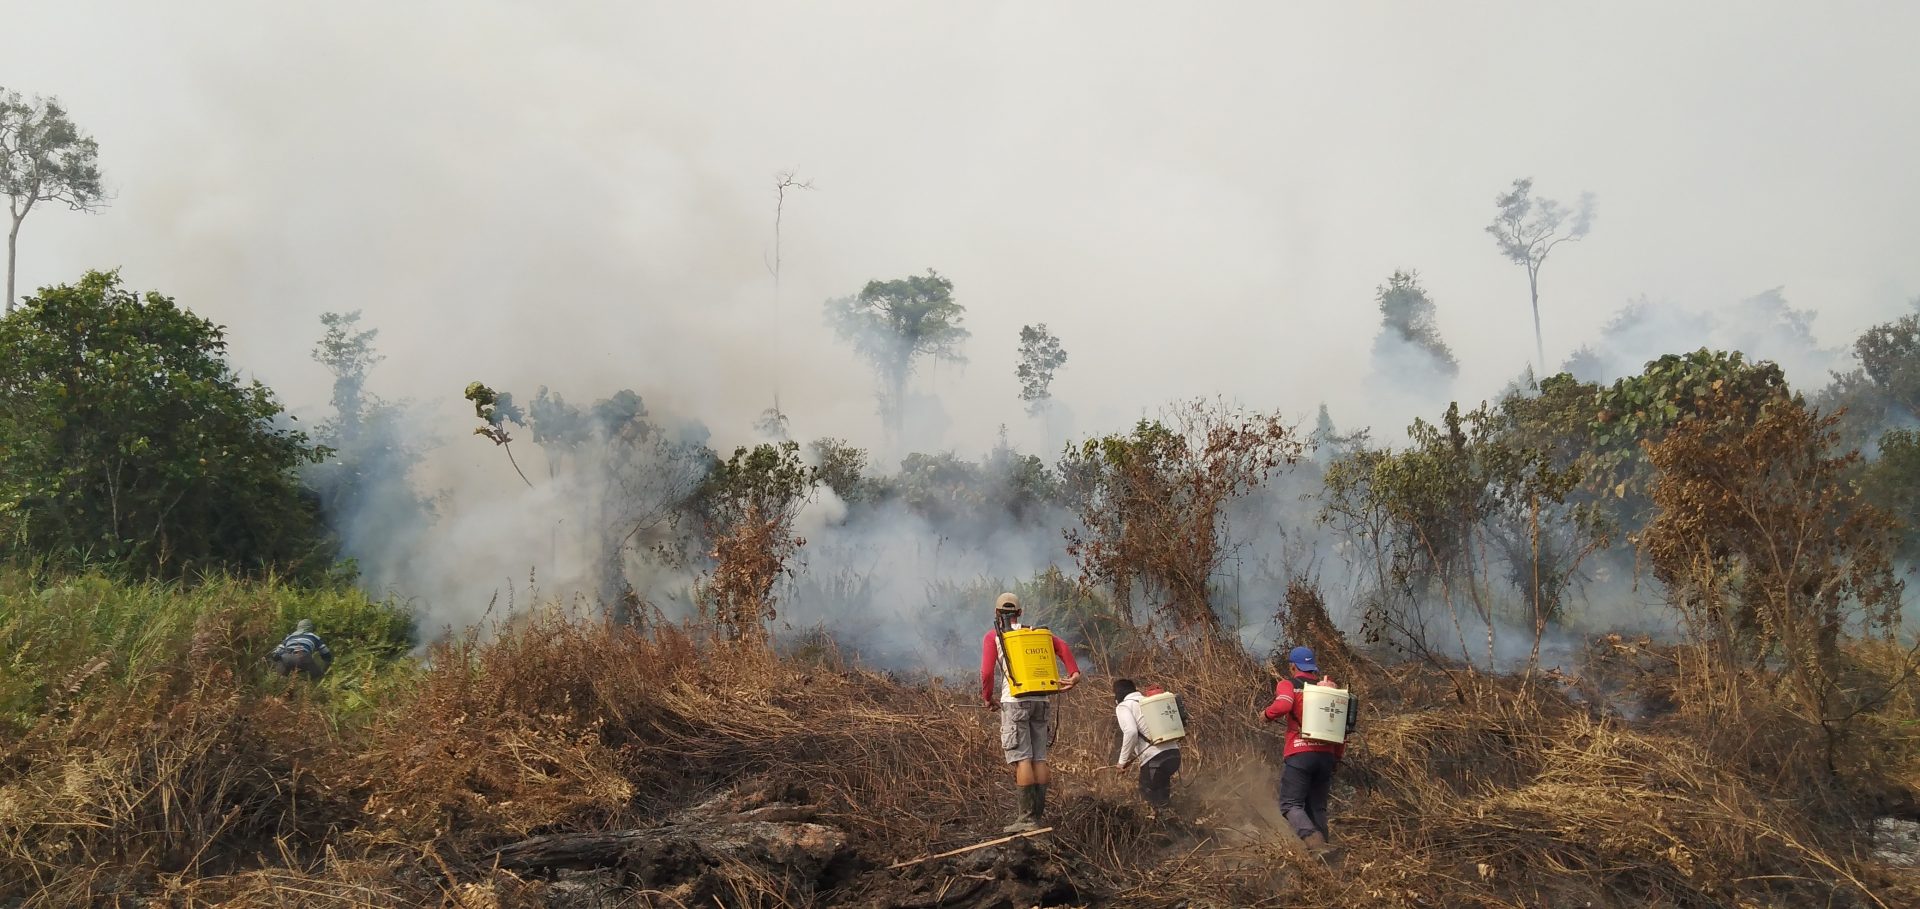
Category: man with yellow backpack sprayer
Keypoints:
(1025, 658)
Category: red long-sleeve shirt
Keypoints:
(1286, 705)
(990, 661)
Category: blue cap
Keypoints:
(1303, 658)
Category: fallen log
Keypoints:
(753, 842)
(576, 850)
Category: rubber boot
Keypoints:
(1040, 805)
(1023, 819)
(1019, 812)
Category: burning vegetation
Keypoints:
(622, 749)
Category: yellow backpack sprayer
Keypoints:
(1027, 656)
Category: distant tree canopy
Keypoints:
(1323, 428)
(842, 467)
(44, 158)
(125, 436)
(1409, 346)
(347, 351)
(1327, 442)
(1875, 406)
(1762, 326)
(1584, 364)
(964, 496)
(895, 324)
(1435, 518)
(366, 491)
(1892, 481)
(1889, 355)
(637, 477)
(773, 424)
(1040, 357)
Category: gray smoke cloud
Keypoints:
(1197, 200)
(1764, 326)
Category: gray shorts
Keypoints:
(1025, 729)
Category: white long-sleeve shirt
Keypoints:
(1133, 742)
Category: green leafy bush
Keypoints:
(127, 438)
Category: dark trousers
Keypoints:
(300, 661)
(1305, 782)
(1156, 778)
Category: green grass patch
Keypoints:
(62, 635)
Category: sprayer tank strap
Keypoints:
(1006, 669)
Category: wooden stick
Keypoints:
(984, 845)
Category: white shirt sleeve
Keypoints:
(1131, 744)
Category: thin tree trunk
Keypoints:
(896, 421)
(1539, 617)
(13, 239)
(1539, 347)
(779, 208)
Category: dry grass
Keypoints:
(200, 788)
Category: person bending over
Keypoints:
(1158, 763)
(302, 652)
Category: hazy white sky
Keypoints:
(1198, 198)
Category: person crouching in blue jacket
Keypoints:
(303, 652)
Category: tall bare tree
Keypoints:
(1527, 229)
(43, 158)
(782, 182)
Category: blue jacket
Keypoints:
(305, 642)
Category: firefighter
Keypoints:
(1306, 777)
(1026, 727)
(1158, 763)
